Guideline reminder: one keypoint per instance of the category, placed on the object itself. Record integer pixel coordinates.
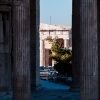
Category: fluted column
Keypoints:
(88, 50)
(75, 45)
(35, 43)
(21, 50)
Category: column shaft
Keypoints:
(41, 52)
(89, 50)
(21, 50)
(98, 12)
(75, 45)
(35, 43)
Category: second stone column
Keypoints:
(88, 50)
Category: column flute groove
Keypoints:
(21, 50)
(88, 50)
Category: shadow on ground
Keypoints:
(49, 91)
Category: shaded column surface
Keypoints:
(98, 18)
(75, 45)
(34, 43)
(5, 48)
(89, 50)
(21, 50)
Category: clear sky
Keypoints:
(59, 10)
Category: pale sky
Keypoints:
(59, 10)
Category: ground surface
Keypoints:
(49, 91)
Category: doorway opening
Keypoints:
(55, 23)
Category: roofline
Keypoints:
(53, 30)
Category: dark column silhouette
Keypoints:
(34, 44)
(88, 50)
(75, 45)
(98, 19)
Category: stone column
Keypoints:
(65, 43)
(98, 5)
(75, 45)
(41, 52)
(88, 50)
(21, 50)
(35, 44)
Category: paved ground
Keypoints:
(54, 95)
(51, 85)
(49, 91)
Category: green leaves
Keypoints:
(62, 56)
(59, 53)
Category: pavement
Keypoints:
(49, 91)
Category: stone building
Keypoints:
(62, 33)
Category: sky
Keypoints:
(59, 10)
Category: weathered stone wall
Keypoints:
(5, 48)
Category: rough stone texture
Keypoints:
(89, 50)
(75, 45)
(34, 43)
(5, 49)
(21, 50)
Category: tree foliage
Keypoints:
(62, 57)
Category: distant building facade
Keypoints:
(63, 34)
